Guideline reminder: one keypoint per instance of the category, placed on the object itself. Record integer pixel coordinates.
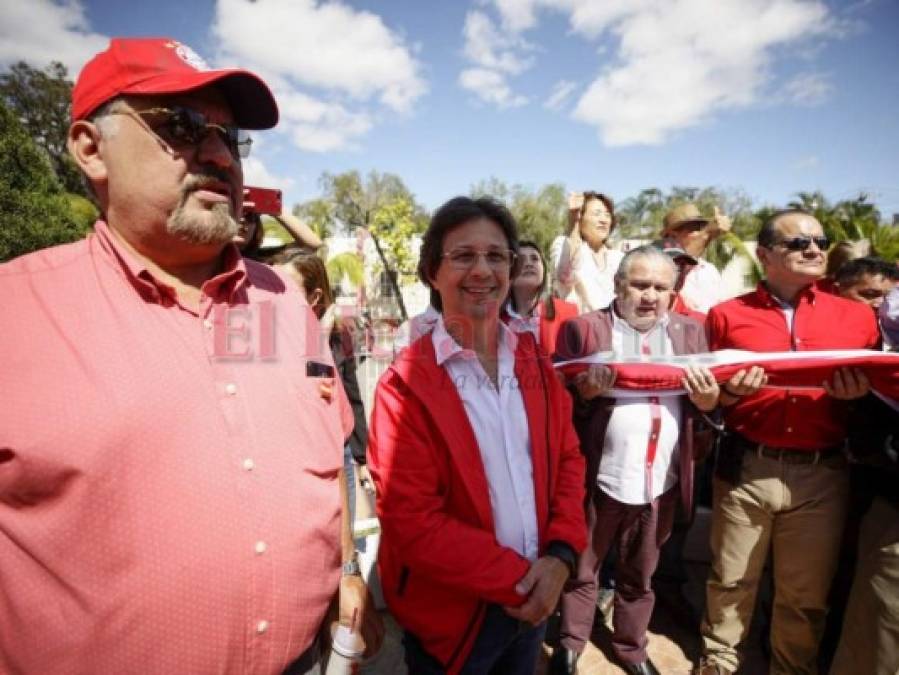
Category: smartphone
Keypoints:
(266, 200)
(317, 369)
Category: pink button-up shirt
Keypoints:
(168, 481)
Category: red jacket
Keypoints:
(439, 561)
(549, 328)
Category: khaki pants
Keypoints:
(870, 640)
(797, 511)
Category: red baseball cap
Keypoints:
(145, 66)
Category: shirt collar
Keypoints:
(446, 347)
(221, 287)
(808, 294)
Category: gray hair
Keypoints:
(108, 126)
(647, 252)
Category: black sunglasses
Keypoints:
(802, 243)
(693, 226)
(180, 126)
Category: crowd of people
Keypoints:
(178, 443)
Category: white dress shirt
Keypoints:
(499, 420)
(703, 287)
(623, 471)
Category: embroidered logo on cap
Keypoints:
(190, 57)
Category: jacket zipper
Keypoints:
(471, 624)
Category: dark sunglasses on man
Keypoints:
(803, 243)
(180, 127)
(693, 226)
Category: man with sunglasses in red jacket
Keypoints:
(781, 483)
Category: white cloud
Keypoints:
(256, 173)
(40, 31)
(558, 97)
(494, 55)
(809, 89)
(334, 69)
(488, 47)
(675, 64)
(491, 87)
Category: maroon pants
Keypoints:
(639, 530)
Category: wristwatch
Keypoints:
(351, 567)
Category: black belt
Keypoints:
(789, 455)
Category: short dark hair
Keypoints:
(605, 199)
(852, 271)
(458, 211)
(767, 236)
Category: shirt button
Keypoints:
(262, 626)
(249, 464)
(792, 399)
(230, 389)
(789, 430)
(260, 547)
(207, 324)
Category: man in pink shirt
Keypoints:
(171, 438)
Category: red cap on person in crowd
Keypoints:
(146, 66)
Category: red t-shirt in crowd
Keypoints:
(795, 418)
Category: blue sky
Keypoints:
(770, 96)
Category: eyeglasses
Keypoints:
(464, 258)
(183, 127)
(802, 243)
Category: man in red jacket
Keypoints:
(781, 483)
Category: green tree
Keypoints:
(34, 210)
(318, 214)
(540, 213)
(41, 100)
(345, 265)
(371, 203)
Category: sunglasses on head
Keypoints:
(802, 243)
(182, 127)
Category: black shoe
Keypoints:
(562, 662)
(646, 667)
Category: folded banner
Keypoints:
(791, 370)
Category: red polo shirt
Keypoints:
(795, 418)
(168, 488)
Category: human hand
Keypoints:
(365, 479)
(848, 383)
(575, 201)
(745, 382)
(357, 611)
(594, 381)
(542, 585)
(721, 222)
(702, 389)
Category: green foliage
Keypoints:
(354, 202)
(82, 211)
(394, 224)
(345, 265)
(34, 210)
(318, 214)
(540, 213)
(41, 100)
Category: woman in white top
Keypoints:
(583, 262)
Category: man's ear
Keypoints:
(762, 254)
(84, 146)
